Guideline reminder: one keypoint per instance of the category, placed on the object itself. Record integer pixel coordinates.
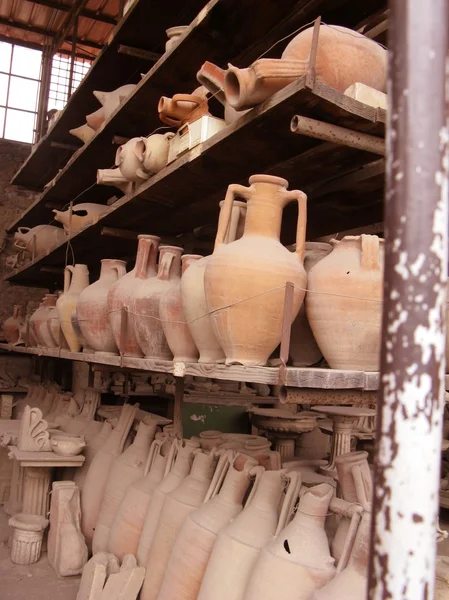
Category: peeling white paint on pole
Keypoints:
(402, 562)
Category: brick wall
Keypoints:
(13, 201)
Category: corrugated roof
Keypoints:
(39, 22)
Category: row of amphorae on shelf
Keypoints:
(228, 306)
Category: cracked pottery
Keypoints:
(92, 308)
(83, 133)
(110, 101)
(128, 159)
(39, 322)
(344, 303)
(114, 178)
(82, 215)
(245, 280)
(183, 108)
(194, 297)
(146, 301)
(343, 58)
(173, 35)
(96, 119)
(120, 295)
(76, 279)
(12, 325)
(42, 238)
(152, 152)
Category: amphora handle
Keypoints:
(68, 274)
(224, 221)
(302, 220)
(291, 496)
(220, 472)
(155, 449)
(120, 269)
(370, 252)
(144, 249)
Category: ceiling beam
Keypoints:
(34, 46)
(46, 33)
(89, 14)
(71, 18)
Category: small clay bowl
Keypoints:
(67, 445)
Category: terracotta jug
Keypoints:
(40, 238)
(81, 216)
(98, 473)
(146, 301)
(92, 308)
(344, 303)
(174, 324)
(245, 280)
(355, 485)
(121, 293)
(298, 560)
(76, 279)
(343, 57)
(12, 325)
(128, 160)
(83, 133)
(125, 531)
(304, 351)
(178, 471)
(127, 469)
(110, 101)
(238, 545)
(194, 298)
(152, 152)
(193, 546)
(54, 327)
(96, 119)
(178, 505)
(92, 447)
(352, 582)
(183, 108)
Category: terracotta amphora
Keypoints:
(12, 325)
(245, 280)
(96, 119)
(146, 301)
(92, 447)
(173, 319)
(128, 159)
(87, 400)
(304, 351)
(125, 531)
(344, 303)
(92, 309)
(343, 57)
(193, 546)
(83, 133)
(152, 152)
(38, 239)
(179, 469)
(355, 485)
(352, 582)
(183, 108)
(98, 474)
(194, 297)
(39, 319)
(113, 177)
(298, 560)
(127, 468)
(110, 101)
(80, 216)
(238, 545)
(76, 279)
(121, 293)
(178, 504)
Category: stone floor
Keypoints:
(39, 581)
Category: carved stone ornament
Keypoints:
(34, 436)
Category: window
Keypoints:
(19, 91)
(59, 82)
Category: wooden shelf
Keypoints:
(224, 31)
(345, 185)
(138, 29)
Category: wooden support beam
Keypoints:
(139, 53)
(119, 233)
(89, 14)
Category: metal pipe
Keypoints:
(337, 135)
(407, 464)
(293, 395)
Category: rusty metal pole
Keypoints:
(407, 466)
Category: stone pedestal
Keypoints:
(36, 488)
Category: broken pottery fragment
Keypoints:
(126, 584)
(95, 572)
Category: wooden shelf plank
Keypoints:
(187, 192)
(223, 32)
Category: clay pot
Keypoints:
(127, 469)
(194, 297)
(345, 312)
(298, 560)
(67, 445)
(304, 350)
(110, 101)
(152, 153)
(127, 527)
(92, 308)
(39, 322)
(178, 471)
(174, 324)
(42, 238)
(245, 280)
(92, 446)
(173, 34)
(27, 538)
(120, 295)
(183, 108)
(343, 58)
(83, 133)
(210, 439)
(178, 505)
(146, 300)
(128, 159)
(115, 178)
(98, 474)
(12, 325)
(76, 279)
(238, 545)
(82, 215)
(96, 119)
(193, 546)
